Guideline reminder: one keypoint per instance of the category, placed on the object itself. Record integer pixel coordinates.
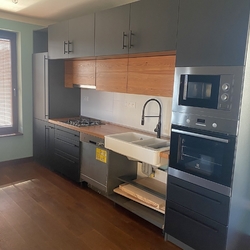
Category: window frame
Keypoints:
(12, 36)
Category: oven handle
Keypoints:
(200, 136)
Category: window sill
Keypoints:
(12, 134)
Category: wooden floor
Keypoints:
(41, 210)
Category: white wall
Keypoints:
(126, 109)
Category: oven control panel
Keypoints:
(205, 123)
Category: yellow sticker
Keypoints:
(101, 155)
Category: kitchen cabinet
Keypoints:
(153, 26)
(67, 153)
(80, 73)
(151, 75)
(111, 75)
(111, 31)
(43, 146)
(144, 26)
(195, 215)
(72, 38)
(212, 33)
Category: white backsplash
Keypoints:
(126, 109)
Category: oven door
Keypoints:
(207, 155)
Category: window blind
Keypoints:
(6, 119)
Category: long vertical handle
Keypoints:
(46, 87)
(70, 50)
(185, 87)
(65, 51)
(130, 39)
(123, 40)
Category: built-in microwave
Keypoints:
(206, 155)
(203, 93)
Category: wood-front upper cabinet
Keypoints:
(140, 27)
(72, 38)
(153, 26)
(152, 75)
(111, 74)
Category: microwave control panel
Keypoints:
(225, 92)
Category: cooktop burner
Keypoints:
(84, 122)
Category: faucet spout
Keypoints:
(158, 126)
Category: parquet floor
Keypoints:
(41, 210)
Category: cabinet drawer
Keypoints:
(67, 166)
(67, 147)
(195, 230)
(198, 199)
(68, 134)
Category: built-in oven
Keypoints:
(203, 93)
(202, 157)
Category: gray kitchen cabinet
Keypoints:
(43, 143)
(153, 26)
(111, 31)
(67, 153)
(212, 33)
(196, 216)
(72, 38)
(140, 27)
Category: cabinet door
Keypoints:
(81, 35)
(193, 229)
(212, 33)
(151, 75)
(111, 31)
(58, 40)
(43, 141)
(153, 25)
(111, 75)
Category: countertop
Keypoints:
(102, 130)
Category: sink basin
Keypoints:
(139, 147)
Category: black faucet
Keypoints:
(158, 126)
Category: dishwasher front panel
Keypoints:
(94, 171)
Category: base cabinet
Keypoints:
(43, 143)
(196, 216)
(67, 153)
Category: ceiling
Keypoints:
(45, 12)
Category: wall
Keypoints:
(16, 147)
(126, 109)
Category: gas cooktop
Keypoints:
(83, 121)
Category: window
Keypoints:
(8, 83)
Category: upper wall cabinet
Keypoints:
(72, 38)
(111, 31)
(144, 26)
(212, 33)
(153, 26)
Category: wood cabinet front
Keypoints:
(80, 73)
(151, 75)
(111, 74)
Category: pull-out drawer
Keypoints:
(193, 229)
(198, 199)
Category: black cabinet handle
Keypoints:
(68, 143)
(130, 39)
(123, 40)
(70, 50)
(64, 47)
(67, 159)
